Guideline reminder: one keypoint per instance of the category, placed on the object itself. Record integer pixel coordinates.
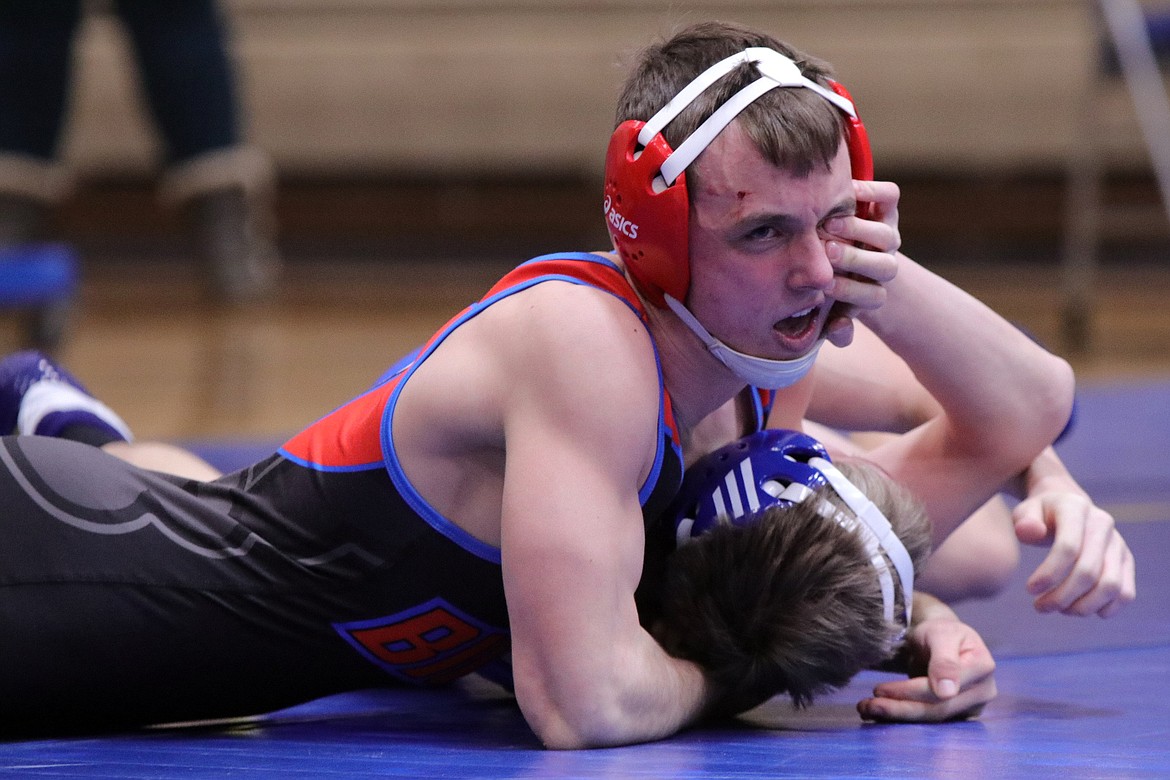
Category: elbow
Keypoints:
(607, 697)
(1011, 434)
(557, 728)
(562, 715)
(1058, 403)
(564, 737)
(1041, 415)
(557, 733)
(596, 715)
(566, 722)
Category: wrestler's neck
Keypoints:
(698, 383)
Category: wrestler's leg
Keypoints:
(167, 458)
(128, 597)
(38, 396)
(977, 560)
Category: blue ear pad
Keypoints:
(736, 481)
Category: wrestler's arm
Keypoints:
(580, 428)
(866, 386)
(1090, 569)
(1002, 399)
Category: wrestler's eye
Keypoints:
(762, 233)
(768, 234)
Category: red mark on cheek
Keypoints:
(741, 195)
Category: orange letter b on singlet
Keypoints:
(417, 639)
(433, 643)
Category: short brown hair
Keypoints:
(789, 603)
(794, 129)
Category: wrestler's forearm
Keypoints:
(996, 387)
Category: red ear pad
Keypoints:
(648, 228)
(860, 154)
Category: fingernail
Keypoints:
(833, 250)
(834, 225)
(947, 688)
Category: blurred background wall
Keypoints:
(423, 146)
(499, 86)
(482, 123)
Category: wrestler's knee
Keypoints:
(167, 458)
(978, 560)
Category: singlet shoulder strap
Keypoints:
(580, 267)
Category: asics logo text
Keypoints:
(620, 223)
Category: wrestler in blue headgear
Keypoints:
(782, 468)
(785, 576)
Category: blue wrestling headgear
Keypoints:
(734, 482)
(782, 468)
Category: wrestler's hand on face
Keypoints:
(1090, 569)
(863, 252)
(952, 676)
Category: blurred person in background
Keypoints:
(223, 185)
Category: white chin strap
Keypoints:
(878, 537)
(756, 371)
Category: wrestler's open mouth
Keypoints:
(797, 325)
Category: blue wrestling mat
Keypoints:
(1079, 698)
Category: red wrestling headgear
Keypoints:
(646, 205)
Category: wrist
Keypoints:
(928, 607)
(1053, 483)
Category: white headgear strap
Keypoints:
(775, 69)
(878, 536)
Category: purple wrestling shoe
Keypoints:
(38, 396)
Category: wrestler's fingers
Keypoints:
(1128, 584)
(860, 294)
(883, 195)
(1128, 589)
(1068, 520)
(839, 327)
(1029, 523)
(851, 260)
(1084, 574)
(877, 236)
(945, 681)
(910, 689)
(865, 233)
(917, 704)
(1115, 586)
